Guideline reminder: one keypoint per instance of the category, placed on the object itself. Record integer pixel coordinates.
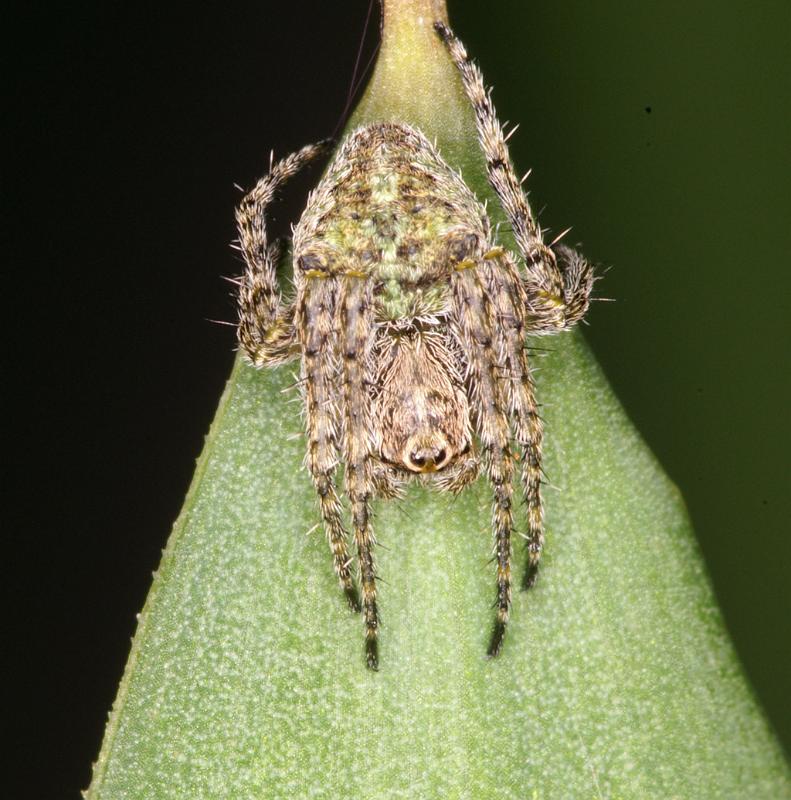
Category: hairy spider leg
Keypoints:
(315, 322)
(491, 426)
(557, 298)
(457, 479)
(266, 325)
(578, 280)
(503, 287)
(554, 296)
(357, 332)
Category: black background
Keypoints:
(130, 125)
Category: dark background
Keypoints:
(660, 130)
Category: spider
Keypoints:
(409, 321)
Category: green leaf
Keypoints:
(246, 677)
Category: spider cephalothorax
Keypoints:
(409, 319)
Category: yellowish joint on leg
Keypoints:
(551, 298)
(495, 252)
(274, 333)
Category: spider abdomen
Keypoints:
(390, 208)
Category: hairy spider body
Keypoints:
(409, 320)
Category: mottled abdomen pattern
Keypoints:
(392, 210)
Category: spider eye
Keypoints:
(428, 458)
(417, 460)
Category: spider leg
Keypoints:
(478, 345)
(504, 288)
(266, 327)
(578, 280)
(558, 294)
(458, 478)
(356, 325)
(386, 482)
(315, 312)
